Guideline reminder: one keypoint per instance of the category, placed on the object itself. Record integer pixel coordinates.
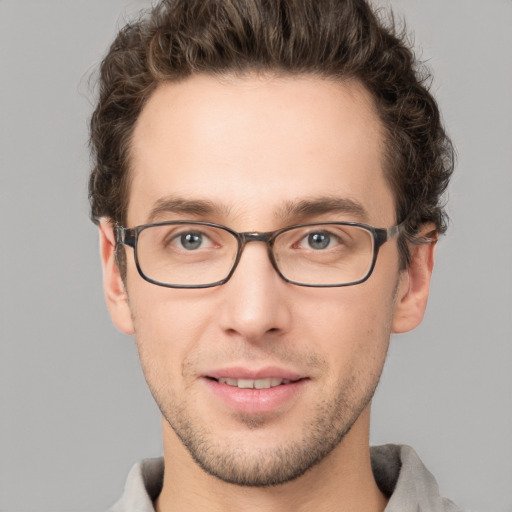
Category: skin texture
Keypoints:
(250, 146)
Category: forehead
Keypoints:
(250, 145)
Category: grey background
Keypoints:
(74, 410)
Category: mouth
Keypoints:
(267, 383)
(244, 391)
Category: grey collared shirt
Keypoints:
(398, 471)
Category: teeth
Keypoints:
(254, 383)
(246, 383)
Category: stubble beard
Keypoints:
(245, 465)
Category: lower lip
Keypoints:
(256, 401)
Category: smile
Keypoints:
(254, 383)
(256, 396)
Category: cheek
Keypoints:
(359, 311)
(169, 325)
(351, 326)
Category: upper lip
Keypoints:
(268, 372)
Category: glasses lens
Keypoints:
(324, 254)
(186, 254)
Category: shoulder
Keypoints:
(401, 475)
(142, 487)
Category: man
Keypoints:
(267, 184)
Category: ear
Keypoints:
(414, 285)
(113, 285)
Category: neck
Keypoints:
(342, 481)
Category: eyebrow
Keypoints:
(321, 206)
(193, 207)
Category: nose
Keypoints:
(254, 299)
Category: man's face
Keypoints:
(250, 149)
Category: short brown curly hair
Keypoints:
(335, 39)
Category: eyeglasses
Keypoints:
(188, 254)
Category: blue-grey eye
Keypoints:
(191, 241)
(319, 240)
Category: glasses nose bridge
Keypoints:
(266, 237)
(256, 236)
